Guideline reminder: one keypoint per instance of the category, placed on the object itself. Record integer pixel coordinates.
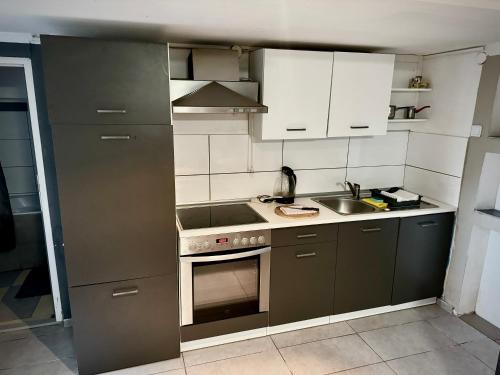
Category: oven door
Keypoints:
(221, 286)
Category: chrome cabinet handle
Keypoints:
(426, 224)
(296, 129)
(359, 126)
(305, 255)
(310, 235)
(371, 229)
(111, 111)
(115, 137)
(125, 292)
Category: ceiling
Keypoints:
(402, 26)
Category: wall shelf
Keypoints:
(407, 120)
(402, 89)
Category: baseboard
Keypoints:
(223, 339)
(446, 306)
(298, 325)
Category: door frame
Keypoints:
(25, 63)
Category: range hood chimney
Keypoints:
(216, 98)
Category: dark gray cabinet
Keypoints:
(302, 275)
(91, 81)
(422, 256)
(366, 255)
(117, 325)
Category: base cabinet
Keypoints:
(365, 264)
(124, 324)
(302, 280)
(422, 257)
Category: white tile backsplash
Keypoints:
(192, 189)
(242, 185)
(434, 185)
(316, 154)
(229, 153)
(267, 156)
(191, 154)
(440, 153)
(387, 149)
(311, 181)
(377, 177)
(185, 123)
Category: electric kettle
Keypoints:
(284, 190)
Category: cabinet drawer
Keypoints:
(117, 201)
(304, 235)
(91, 81)
(302, 282)
(366, 255)
(422, 257)
(124, 324)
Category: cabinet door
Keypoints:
(91, 81)
(302, 281)
(117, 197)
(365, 264)
(295, 85)
(422, 257)
(125, 324)
(361, 92)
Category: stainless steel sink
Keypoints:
(346, 206)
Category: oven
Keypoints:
(224, 276)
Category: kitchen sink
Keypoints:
(347, 206)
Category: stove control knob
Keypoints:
(253, 240)
(206, 245)
(261, 239)
(236, 242)
(244, 241)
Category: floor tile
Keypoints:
(376, 369)
(327, 356)
(234, 349)
(403, 340)
(312, 334)
(448, 361)
(384, 320)
(163, 367)
(24, 352)
(430, 311)
(52, 368)
(7, 278)
(268, 362)
(45, 307)
(21, 277)
(456, 329)
(482, 325)
(485, 350)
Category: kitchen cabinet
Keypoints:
(422, 257)
(116, 193)
(366, 254)
(360, 94)
(125, 324)
(295, 85)
(302, 279)
(91, 81)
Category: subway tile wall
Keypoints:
(220, 167)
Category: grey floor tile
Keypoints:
(448, 361)
(384, 320)
(407, 339)
(312, 334)
(234, 349)
(48, 368)
(163, 367)
(268, 362)
(430, 311)
(485, 350)
(376, 369)
(456, 329)
(24, 352)
(328, 356)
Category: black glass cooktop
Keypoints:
(217, 216)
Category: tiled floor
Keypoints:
(423, 341)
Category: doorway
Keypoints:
(29, 288)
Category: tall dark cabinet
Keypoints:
(109, 109)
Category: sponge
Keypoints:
(375, 203)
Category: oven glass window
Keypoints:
(226, 289)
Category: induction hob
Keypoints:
(217, 216)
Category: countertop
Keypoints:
(326, 216)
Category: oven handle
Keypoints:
(218, 258)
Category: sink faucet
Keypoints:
(355, 189)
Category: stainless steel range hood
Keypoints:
(216, 98)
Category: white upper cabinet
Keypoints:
(360, 94)
(295, 85)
